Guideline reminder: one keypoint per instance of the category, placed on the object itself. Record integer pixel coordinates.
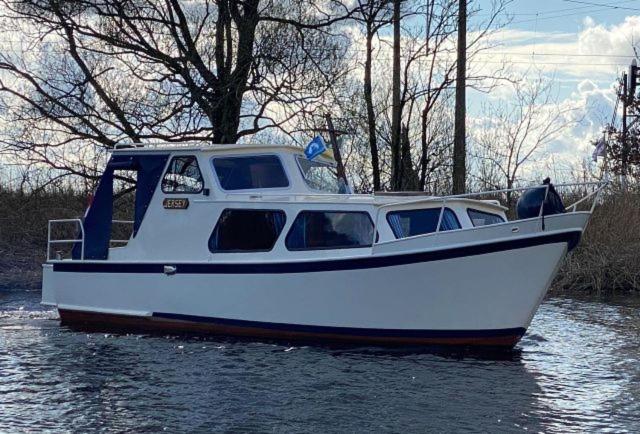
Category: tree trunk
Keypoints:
(371, 117)
(396, 164)
(424, 160)
(459, 148)
(409, 181)
(232, 83)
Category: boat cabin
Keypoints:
(227, 203)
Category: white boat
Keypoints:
(257, 241)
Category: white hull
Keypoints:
(481, 293)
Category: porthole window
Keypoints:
(314, 230)
(247, 230)
(183, 176)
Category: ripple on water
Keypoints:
(576, 370)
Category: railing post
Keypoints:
(541, 214)
(48, 240)
(82, 243)
(375, 227)
(442, 207)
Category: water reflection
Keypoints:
(576, 370)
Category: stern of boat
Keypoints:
(48, 290)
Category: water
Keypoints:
(576, 370)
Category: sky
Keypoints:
(581, 46)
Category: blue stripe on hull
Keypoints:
(571, 238)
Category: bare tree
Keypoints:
(110, 71)
(514, 132)
(374, 14)
(428, 65)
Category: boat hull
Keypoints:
(484, 295)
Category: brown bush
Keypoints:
(23, 231)
(608, 257)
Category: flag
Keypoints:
(601, 147)
(315, 148)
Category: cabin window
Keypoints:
(314, 230)
(482, 218)
(183, 176)
(421, 221)
(247, 230)
(257, 171)
(319, 176)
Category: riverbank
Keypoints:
(605, 262)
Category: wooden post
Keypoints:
(336, 149)
(459, 147)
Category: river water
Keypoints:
(576, 370)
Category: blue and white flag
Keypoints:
(599, 151)
(315, 148)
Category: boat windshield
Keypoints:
(319, 176)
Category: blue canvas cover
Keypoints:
(98, 220)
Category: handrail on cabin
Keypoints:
(80, 240)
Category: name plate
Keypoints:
(177, 203)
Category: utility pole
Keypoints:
(396, 163)
(625, 146)
(459, 147)
(629, 82)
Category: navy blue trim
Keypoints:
(348, 331)
(571, 238)
(98, 219)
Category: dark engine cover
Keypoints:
(528, 205)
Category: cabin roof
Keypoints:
(213, 149)
(378, 199)
(205, 147)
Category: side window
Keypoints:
(183, 176)
(247, 230)
(257, 171)
(421, 221)
(482, 218)
(314, 230)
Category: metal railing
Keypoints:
(74, 241)
(81, 240)
(599, 186)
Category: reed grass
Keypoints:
(608, 257)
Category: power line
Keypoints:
(610, 6)
(511, 53)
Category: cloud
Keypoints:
(597, 51)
